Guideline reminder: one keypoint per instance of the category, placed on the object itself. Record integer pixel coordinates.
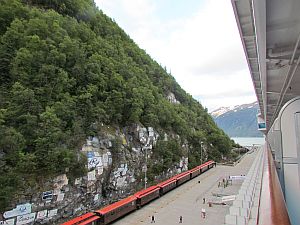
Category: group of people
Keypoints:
(224, 183)
(203, 214)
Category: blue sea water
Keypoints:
(249, 141)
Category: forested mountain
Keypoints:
(239, 121)
(65, 70)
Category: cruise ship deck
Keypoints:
(270, 34)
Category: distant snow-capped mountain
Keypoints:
(220, 111)
(238, 121)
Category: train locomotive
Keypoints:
(125, 206)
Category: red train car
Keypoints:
(207, 166)
(194, 172)
(182, 178)
(203, 167)
(167, 186)
(212, 163)
(91, 221)
(116, 210)
(86, 219)
(146, 195)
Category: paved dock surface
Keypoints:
(187, 200)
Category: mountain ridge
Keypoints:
(238, 121)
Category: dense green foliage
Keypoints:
(66, 67)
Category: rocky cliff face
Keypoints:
(116, 161)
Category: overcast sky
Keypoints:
(197, 40)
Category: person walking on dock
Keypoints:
(203, 213)
(152, 219)
(180, 219)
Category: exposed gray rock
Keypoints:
(113, 173)
(171, 98)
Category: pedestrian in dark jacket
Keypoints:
(152, 219)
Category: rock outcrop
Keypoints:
(116, 164)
